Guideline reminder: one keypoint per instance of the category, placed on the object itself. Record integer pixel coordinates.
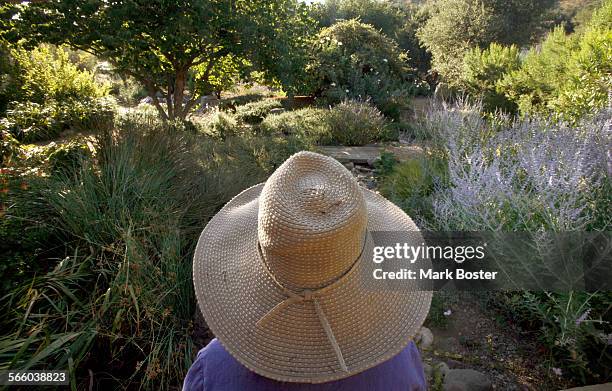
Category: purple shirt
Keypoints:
(216, 370)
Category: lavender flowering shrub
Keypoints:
(537, 176)
(527, 174)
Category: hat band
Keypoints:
(310, 295)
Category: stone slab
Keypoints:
(367, 154)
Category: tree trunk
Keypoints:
(180, 109)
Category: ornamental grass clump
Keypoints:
(114, 303)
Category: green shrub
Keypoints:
(348, 123)
(573, 326)
(357, 123)
(46, 73)
(412, 184)
(30, 122)
(309, 124)
(254, 112)
(355, 61)
(65, 159)
(9, 146)
(568, 77)
(456, 26)
(219, 124)
(397, 21)
(482, 69)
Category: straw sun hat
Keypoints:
(278, 275)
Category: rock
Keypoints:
(424, 338)
(450, 344)
(349, 166)
(443, 369)
(428, 370)
(372, 162)
(466, 380)
(277, 110)
(370, 184)
(364, 169)
(454, 364)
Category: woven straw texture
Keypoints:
(304, 230)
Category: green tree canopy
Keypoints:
(159, 42)
(458, 25)
(397, 20)
(353, 60)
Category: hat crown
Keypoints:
(312, 221)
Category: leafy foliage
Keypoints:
(357, 123)
(567, 78)
(30, 122)
(482, 69)
(354, 61)
(255, 112)
(572, 326)
(308, 123)
(398, 22)
(159, 43)
(47, 73)
(456, 26)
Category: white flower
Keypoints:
(333, 84)
(557, 371)
(339, 43)
(385, 60)
(448, 312)
(347, 91)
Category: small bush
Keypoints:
(254, 112)
(9, 146)
(219, 124)
(412, 184)
(46, 73)
(357, 123)
(30, 122)
(573, 326)
(348, 123)
(66, 159)
(308, 123)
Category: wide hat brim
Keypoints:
(234, 291)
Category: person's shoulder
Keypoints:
(213, 353)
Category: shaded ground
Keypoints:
(477, 339)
